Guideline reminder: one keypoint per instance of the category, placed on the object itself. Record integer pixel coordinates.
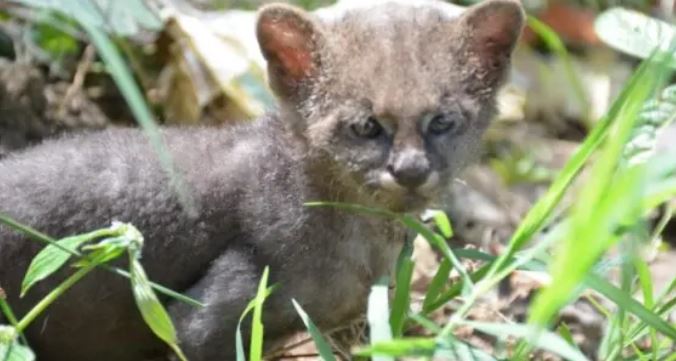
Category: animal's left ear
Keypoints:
(489, 32)
(290, 40)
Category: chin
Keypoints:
(409, 202)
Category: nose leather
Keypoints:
(410, 168)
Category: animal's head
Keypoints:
(394, 97)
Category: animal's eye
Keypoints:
(444, 123)
(370, 129)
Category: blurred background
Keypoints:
(69, 65)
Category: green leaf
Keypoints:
(655, 115)
(402, 296)
(540, 213)
(239, 344)
(51, 258)
(455, 350)
(441, 220)
(120, 17)
(610, 200)
(377, 315)
(323, 347)
(14, 351)
(414, 346)
(545, 340)
(631, 305)
(437, 284)
(438, 242)
(257, 330)
(152, 311)
(635, 33)
(56, 42)
(566, 334)
(8, 334)
(45, 239)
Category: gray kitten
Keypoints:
(381, 106)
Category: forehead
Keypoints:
(393, 55)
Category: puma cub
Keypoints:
(380, 106)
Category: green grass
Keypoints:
(609, 212)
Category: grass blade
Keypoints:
(438, 242)
(604, 204)
(323, 347)
(257, 330)
(437, 284)
(402, 296)
(542, 339)
(414, 346)
(542, 210)
(629, 304)
(132, 94)
(377, 315)
(239, 343)
(441, 220)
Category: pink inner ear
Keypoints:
(499, 30)
(289, 45)
(495, 27)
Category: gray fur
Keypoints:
(249, 183)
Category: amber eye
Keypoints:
(370, 129)
(443, 123)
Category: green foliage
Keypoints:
(627, 180)
(378, 316)
(255, 306)
(239, 343)
(323, 347)
(53, 40)
(608, 200)
(636, 34)
(402, 296)
(119, 17)
(10, 348)
(545, 340)
(99, 18)
(256, 350)
(114, 241)
(655, 114)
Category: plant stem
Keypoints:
(52, 296)
(39, 236)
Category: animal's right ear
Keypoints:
(289, 39)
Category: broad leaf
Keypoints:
(53, 257)
(634, 33)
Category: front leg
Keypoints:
(208, 333)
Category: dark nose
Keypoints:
(410, 168)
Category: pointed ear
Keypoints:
(490, 31)
(289, 40)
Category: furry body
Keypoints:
(381, 107)
(235, 176)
